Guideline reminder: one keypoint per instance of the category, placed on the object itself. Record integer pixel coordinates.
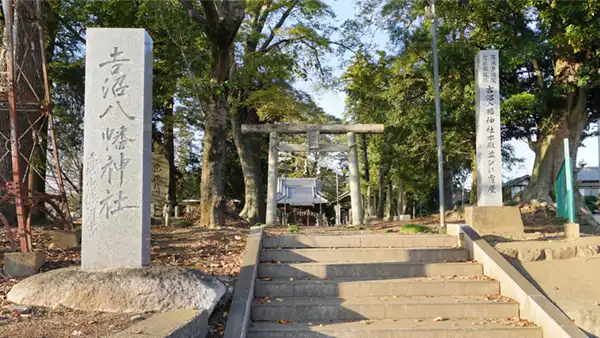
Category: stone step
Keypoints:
(404, 328)
(361, 241)
(357, 308)
(379, 287)
(366, 255)
(372, 269)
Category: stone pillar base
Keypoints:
(495, 220)
(572, 230)
(23, 264)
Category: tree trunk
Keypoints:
(388, 202)
(548, 149)
(401, 199)
(212, 199)
(448, 201)
(369, 201)
(212, 184)
(248, 147)
(169, 150)
(381, 198)
(365, 157)
(549, 154)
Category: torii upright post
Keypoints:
(275, 147)
(354, 178)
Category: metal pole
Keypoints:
(438, 120)
(21, 195)
(598, 131)
(569, 182)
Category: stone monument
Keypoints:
(489, 216)
(117, 149)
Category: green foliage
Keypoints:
(293, 228)
(548, 54)
(512, 203)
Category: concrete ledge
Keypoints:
(533, 305)
(172, 324)
(239, 314)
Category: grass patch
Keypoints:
(293, 228)
(414, 229)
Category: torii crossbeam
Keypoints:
(313, 131)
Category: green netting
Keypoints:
(563, 187)
(560, 186)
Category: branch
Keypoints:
(277, 26)
(210, 11)
(538, 72)
(194, 13)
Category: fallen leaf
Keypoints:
(279, 299)
(283, 321)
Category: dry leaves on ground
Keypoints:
(215, 251)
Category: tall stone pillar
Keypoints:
(271, 217)
(354, 177)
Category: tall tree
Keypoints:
(220, 21)
(548, 67)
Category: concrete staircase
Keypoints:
(375, 286)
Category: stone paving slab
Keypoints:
(366, 255)
(307, 309)
(383, 287)
(373, 269)
(403, 328)
(360, 241)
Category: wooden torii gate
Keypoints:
(313, 131)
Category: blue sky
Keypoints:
(333, 102)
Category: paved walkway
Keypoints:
(572, 284)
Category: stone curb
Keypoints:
(185, 323)
(239, 314)
(533, 305)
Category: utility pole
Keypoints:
(598, 131)
(438, 119)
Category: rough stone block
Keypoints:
(147, 289)
(65, 239)
(494, 220)
(23, 264)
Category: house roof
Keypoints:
(585, 174)
(517, 181)
(300, 191)
(588, 174)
